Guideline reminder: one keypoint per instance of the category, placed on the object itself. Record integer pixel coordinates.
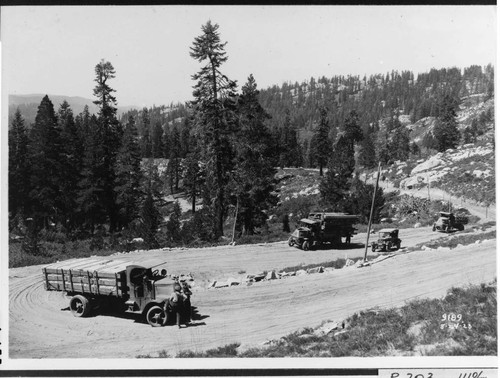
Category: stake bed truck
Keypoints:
(116, 284)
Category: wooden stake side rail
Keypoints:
(95, 264)
(85, 281)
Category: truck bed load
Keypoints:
(95, 277)
(334, 218)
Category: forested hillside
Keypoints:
(377, 99)
(100, 181)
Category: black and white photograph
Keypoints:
(301, 186)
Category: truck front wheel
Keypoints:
(79, 306)
(156, 317)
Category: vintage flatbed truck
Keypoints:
(321, 227)
(124, 286)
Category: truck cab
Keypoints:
(147, 287)
(305, 235)
(447, 222)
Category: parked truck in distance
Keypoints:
(449, 222)
(323, 228)
(125, 287)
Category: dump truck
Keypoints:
(323, 228)
(119, 285)
(449, 222)
(388, 240)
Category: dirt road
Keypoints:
(485, 213)
(42, 327)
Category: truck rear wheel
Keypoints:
(306, 246)
(79, 306)
(156, 317)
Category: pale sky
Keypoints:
(54, 49)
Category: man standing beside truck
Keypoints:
(176, 302)
(187, 302)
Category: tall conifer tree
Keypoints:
(45, 160)
(112, 133)
(128, 175)
(321, 143)
(335, 185)
(213, 107)
(19, 167)
(71, 161)
(91, 193)
(254, 172)
(446, 129)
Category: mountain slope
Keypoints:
(28, 105)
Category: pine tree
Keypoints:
(32, 240)
(360, 200)
(415, 149)
(71, 162)
(166, 141)
(150, 218)
(383, 146)
(174, 163)
(352, 129)
(367, 153)
(186, 141)
(45, 160)
(146, 142)
(321, 143)
(213, 108)
(192, 178)
(82, 122)
(174, 224)
(157, 141)
(446, 129)
(19, 167)
(290, 151)
(106, 102)
(150, 214)
(128, 176)
(112, 133)
(400, 144)
(253, 180)
(91, 194)
(335, 185)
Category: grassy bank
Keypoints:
(456, 240)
